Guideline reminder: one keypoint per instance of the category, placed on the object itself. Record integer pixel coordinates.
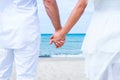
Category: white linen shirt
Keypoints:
(19, 23)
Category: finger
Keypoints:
(51, 37)
(62, 42)
(59, 44)
(51, 41)
(56, 45)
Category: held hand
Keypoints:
(57, 39)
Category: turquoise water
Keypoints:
(71, 47)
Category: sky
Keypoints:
(65, 8)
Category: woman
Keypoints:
(101, 45)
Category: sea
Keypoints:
(71, 47)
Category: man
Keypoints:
(19, 36)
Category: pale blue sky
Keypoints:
(65, 7)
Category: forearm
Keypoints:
(74, 16)
(53, 12)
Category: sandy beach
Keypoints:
(60, 68)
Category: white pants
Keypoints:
(25, 59)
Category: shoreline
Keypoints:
(63, 56)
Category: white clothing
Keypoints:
(19, 24)
(19, 38)
(101, 44)
(26, 60)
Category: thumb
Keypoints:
(51, 41)
(51, 37)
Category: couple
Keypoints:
(101, 45)
(19, 37)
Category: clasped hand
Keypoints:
(58, 39)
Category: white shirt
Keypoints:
(19, 24)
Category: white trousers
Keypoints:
(26, 60)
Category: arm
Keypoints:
(74, 16)
(52, 11)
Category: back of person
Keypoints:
(18, 22)
(101, 44)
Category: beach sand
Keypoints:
(59, 69)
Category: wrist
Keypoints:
(63, 33)
(58, 29)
